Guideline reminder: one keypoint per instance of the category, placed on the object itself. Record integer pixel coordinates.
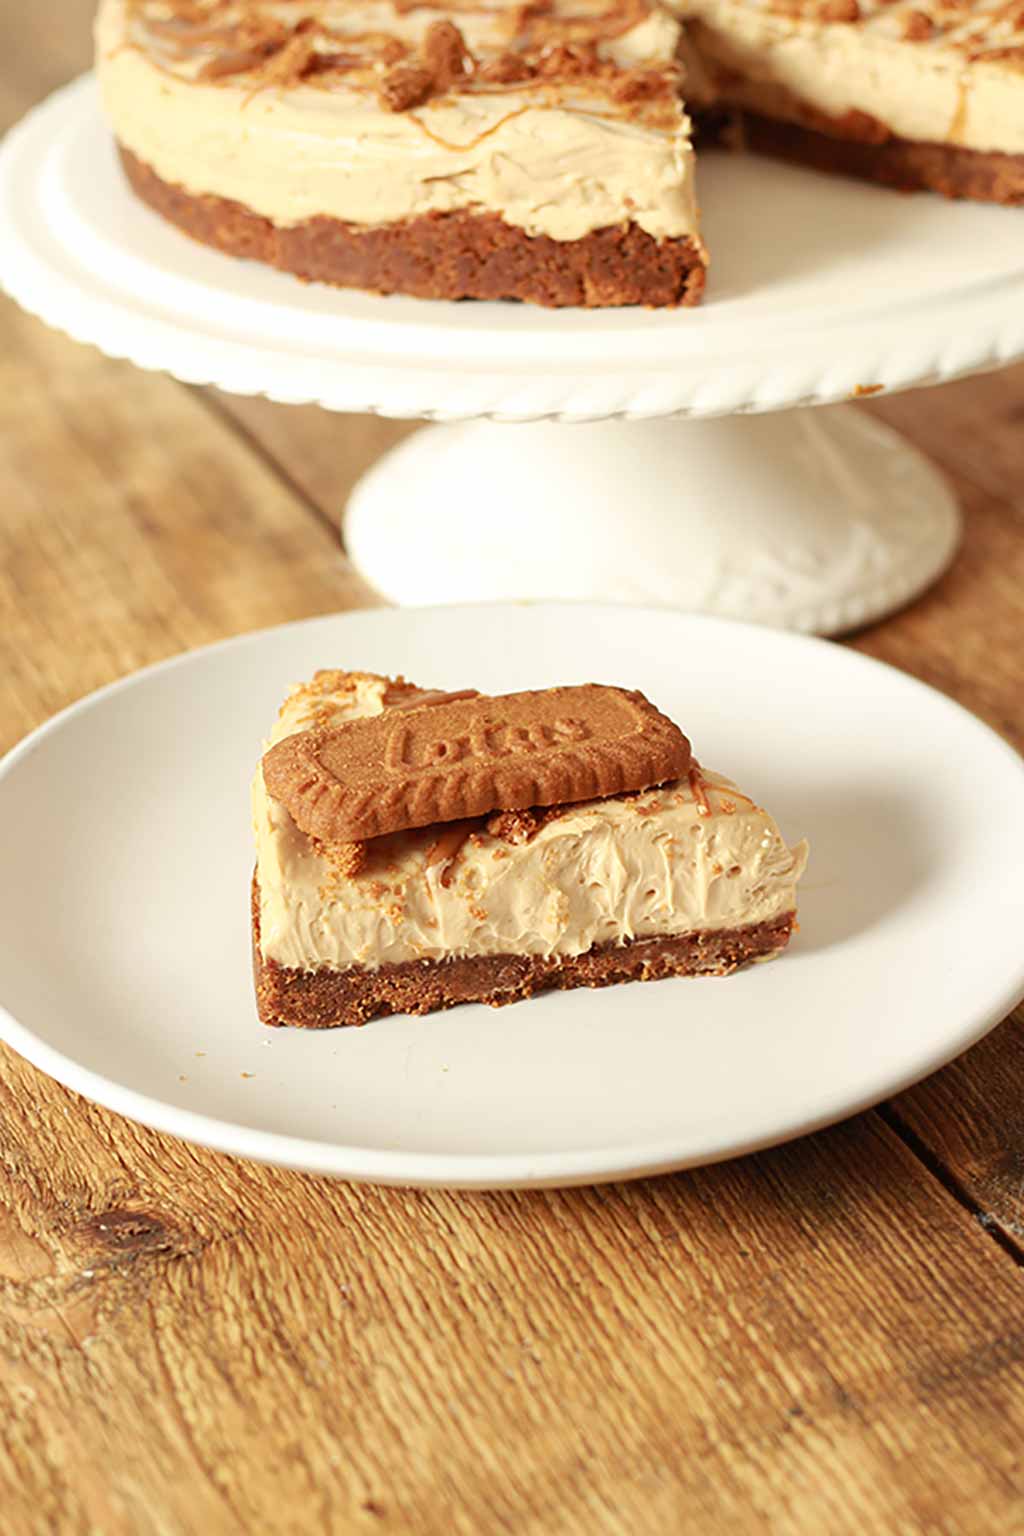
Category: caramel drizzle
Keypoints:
(233, 38)
(959, 123)
(447, 847)
(992, 32)
(699, 790)
(428, 699)
(486, 134)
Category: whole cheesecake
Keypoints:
(518, 152)
(538, 151)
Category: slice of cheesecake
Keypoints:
(530, 886)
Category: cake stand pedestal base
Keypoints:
(818, 520)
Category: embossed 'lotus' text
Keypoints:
(487, 743)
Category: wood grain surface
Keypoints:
(823, 1339)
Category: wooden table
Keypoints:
(824, 1339)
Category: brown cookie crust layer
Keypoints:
(893, 162)
(441, 255)
(324, 999)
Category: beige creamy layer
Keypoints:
(294, 154)
(921, 90)
(666, 862)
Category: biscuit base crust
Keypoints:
(325, 999)
(461, 255)
(869, 153)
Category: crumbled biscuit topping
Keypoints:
(990, 31)
(470, 48)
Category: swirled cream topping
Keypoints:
(692, 855)
(560, 119)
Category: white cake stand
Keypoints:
(821, 290)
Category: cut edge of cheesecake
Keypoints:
(874, 155)
(325, 998)
(915, 95)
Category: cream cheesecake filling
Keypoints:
(685, 857)
(937, 88)
(560, 161)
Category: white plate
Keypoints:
(818, 285)
(124, 925)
